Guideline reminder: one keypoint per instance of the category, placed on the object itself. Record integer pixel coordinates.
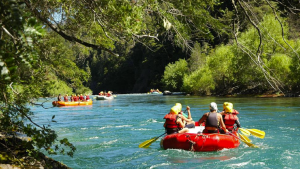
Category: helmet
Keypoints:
(228, 107)
(174, 110)
(213, 106)
(179, 106)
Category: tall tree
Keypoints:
(22, 76)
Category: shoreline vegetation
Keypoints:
(14, 154)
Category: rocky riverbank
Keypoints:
(14, 154)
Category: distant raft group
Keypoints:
(75, 100)
(105, 96)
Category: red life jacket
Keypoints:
(87, 97)
(66, 98)
(171, 121)
(81, 97)
(229, 120)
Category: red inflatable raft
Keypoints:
(197, 141)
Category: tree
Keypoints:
(174, 73)
(22, 73)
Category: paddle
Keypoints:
(248, 143)
(147, 143)
(255, 132)
(244, 138)
(244, 131)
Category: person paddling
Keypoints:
(173, 123)
(66, 98)
(187, 120)
(212, 120)
(81, 97)
(230, 117)
(87, 97)
(59, 97)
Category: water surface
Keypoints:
(107, 134)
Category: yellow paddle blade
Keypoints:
(245, 138)
(244, 131)
(250, 144)
(147, 143)
(257, 133)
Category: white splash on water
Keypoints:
(240, 164)
(159, 165)
(140, 129)
(110, 142)
(123, 126)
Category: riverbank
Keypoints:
(14, 154)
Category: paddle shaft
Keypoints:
(147, 143)
(249, 144)
(161, 135)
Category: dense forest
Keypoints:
(201, 47)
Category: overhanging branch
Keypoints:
(63, 34)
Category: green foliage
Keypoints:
(54, 88)
(227, 69)
(23, 76)
(279, 64)
(174, 74)
(59, 62)
(199, 82)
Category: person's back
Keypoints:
(66, 98)
(75, 98)
(81, 97)
(173, 123)
(59, 97)
(212, 120)
(230, 117)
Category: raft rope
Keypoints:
(192, 143)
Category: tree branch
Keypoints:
(63, 34)
(282, 31)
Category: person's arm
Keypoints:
(179, 121)
(203, 118)
(237, 122)
(222, 123)
(189, 112)
(184, 118)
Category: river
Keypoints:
(107, 133)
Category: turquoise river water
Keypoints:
(107, 133)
